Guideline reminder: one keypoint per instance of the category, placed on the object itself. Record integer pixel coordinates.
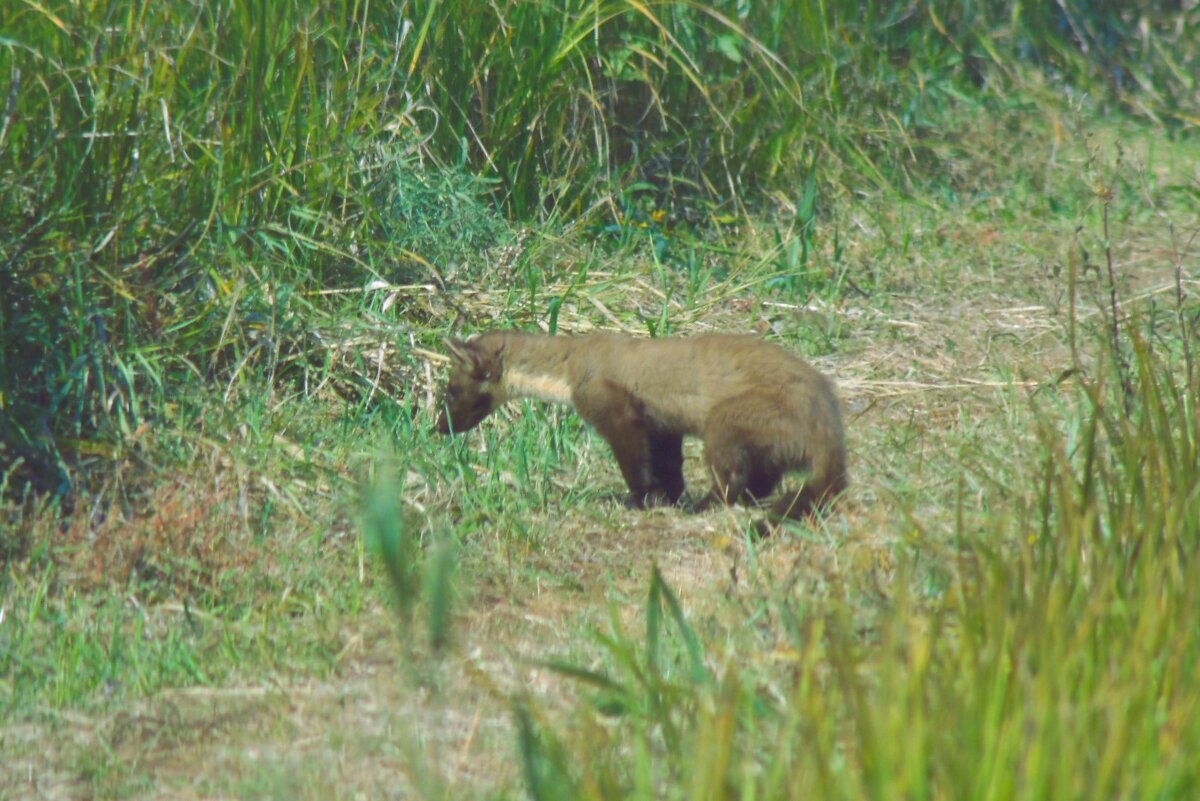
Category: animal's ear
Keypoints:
(460, 351)
(473, 356)
(489, 366)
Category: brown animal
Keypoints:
(760, 410)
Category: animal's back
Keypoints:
(682, 379)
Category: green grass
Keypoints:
(237, 558)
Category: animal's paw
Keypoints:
(648, 500)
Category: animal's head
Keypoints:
(473, 391)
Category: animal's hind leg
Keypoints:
(740, 443)
(739, 475)
(729, 464)
(763, 480)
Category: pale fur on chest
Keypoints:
(521, 383)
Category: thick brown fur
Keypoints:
(760, 410)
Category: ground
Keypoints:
(944, 340)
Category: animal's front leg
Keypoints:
(666, 463)
(631, 446)
(634, 456)
(620, 418)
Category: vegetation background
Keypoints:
(237, 562)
